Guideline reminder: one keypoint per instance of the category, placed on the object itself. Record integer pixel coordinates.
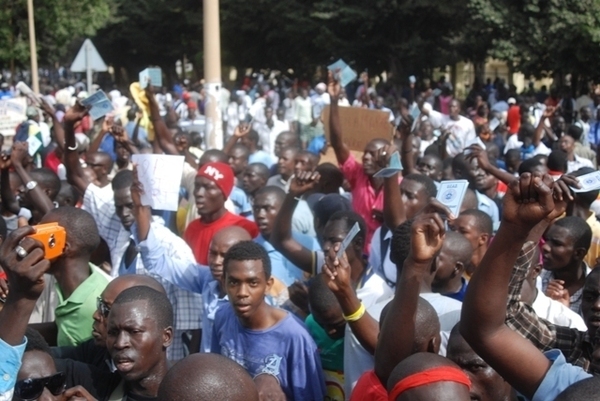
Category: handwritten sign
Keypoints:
(160, 176)
(12, 113)
(360, 126)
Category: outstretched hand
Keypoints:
(19, 153)
(384, 154)
(333, 87)
(337, 270)
(476, 152)
(137, 189)
(242, 130)
(75, 114)
(529, 200)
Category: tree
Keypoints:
(57, 23)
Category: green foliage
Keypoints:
(57, 22)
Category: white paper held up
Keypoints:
(160, 176)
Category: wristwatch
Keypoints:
(30, 185)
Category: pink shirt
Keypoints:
(364, 197)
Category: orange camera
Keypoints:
(54, 238)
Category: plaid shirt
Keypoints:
(575, 345)
(187, 306)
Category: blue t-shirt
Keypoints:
(560, 376)
(285, 350)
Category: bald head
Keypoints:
(443, 390)
(469, 201)
(224, 239)
(122, 283)
(213, 156)
(458, 247)
(207, 377)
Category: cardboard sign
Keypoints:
(360, 126)
(12, 113)
(160, 175)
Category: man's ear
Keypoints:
(270, 282)
(484, 239)
(167, 337)
(536, 270)
(580, 253)
(459, 269)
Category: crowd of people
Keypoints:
(246, 293)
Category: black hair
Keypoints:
(82, 232)
(261, 169)
(529, 165)
(35, 341)
(243, 148)
(428, 183)
(460, 167)
(253, 136)
(212, 156)
(123, 179)
(351, 218)
(586, 198)
(320, 297)
(575, 132)
(579, 230)
(297, 143)
(159, 305)
(3, 229)
(400, 244)
(248, 250)
(47, 179)
(271, 189)
(527, 131)
(106, 158)
(512, 154)
(483, 221)
(331, 176)
(314, 159)
(557, 161)
(586, 389)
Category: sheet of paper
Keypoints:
(101, 109)
(94, 98)
(342, 72)
(152, 75)
(589, 182)
(477, 141)
(355, 230)
(452, 193)
(494, 123)
(34, 144)
(394, 167)
(160, 176)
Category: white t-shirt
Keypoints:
(462, 131)
(557, 313)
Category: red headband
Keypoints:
(429, 376)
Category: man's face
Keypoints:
(454, 109)
(265, 209)
(302, 162)
(466, 225)
(486, 384)
(369, 158)
(123, 154)
(269, 113)
(431, 167)
(286, 163)
(99, 165)
(37, 364)
(334, 232)
(246, 285)
(559, 250)
(216, 254)
(590, 302)
(477, 177)
(558, 125)
(238, 160)
(208, 196)
(252, 180)
(332, 321)
(585, 113)
(413, 197)
(134, 340)
(124, 207)
(567, 144)
(445, 267)
(107, 298)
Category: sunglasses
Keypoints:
(102, 307)
(32, 389)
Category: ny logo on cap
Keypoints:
(213, 172)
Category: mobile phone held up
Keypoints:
(53, 237)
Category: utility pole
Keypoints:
(212, 74)
(35, 82)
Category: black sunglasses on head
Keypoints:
(102, 306)
(32, 389)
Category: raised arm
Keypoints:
(539, 132)
(527, 202)
(342, 152)
(362, 324)
(120, 135)
(393, 207)
(105, 127)
(238, 133)
(9, 200)
(75, 175)
(407, 154)
(38, 197)
(59, 132)
(397, 336)
(162, 134)
(475, 152)
(281, 237)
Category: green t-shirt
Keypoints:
(331, 351)
(74, 314)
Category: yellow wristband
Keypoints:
(356, 315)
